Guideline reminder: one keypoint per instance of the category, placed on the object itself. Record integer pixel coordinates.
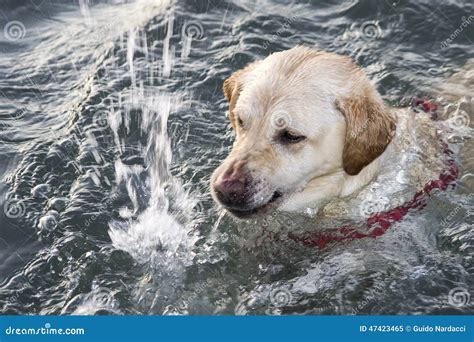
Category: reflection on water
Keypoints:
(113, 119)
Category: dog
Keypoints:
(310, 128)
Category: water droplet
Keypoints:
(57, 203)
(41, 191)
(48, 222)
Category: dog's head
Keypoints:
(298, 115)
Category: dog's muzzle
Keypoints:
(235, 191)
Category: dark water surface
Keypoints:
(112, 120)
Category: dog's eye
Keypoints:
(291, 138)
(240, 122)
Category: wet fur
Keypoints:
(329, 98)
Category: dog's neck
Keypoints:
(336, 184)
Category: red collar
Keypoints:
(377, 224)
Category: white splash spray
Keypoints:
(161, 237)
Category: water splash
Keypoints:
(162, 236)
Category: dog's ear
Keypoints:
(233, 86)
(369, 129)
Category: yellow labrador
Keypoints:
(309, 127)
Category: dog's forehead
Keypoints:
(300, 100)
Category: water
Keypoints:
(112, 120)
